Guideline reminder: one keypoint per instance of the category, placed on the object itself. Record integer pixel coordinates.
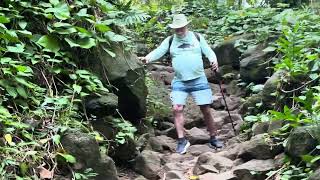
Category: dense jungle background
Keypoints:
(76, 103)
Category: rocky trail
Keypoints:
(241, 155)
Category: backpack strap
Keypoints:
(170, 42)
(197, 36)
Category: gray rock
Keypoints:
(302, 140)
(259, 147)
(265, 96)
(86, 151)
(171, 175)
(254, 68)
(148, 163)
(279, 160)
(210, 162)
(315, 175)
(260, 128)
(275, 125)
(159, 104)
(174, 166)
(223, 176)
(140, 178)
(197, 136)
(261, 167)
(127, 151)
(102, 106)
(227, 53)
(161, 143)
(102, 125)
(125, 73)
(231, 152)
(198, 149)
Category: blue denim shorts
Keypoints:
(198, 88)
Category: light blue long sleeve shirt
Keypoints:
(186, 55)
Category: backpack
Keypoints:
(171, 39)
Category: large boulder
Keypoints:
(302, 141)
(197, 136)
(159, 103)
(102, 105)
(266, 96)
(148, 163)
(254, 68)
(259, 147)
(86, 151)
(315, 175)
(254, 169)
(210, 162)
(126, 74)
(228, 54)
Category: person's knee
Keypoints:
(177, 108)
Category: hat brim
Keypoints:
(176, 26)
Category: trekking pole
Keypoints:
(219, 77)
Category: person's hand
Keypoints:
(143, 59)
(214, 67)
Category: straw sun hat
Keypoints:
(179, 21)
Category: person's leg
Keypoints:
(203, 99)
(178, 100)
(178, 119)
(208, 119)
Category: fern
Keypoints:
(134, 17)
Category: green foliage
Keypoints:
(41, 84)
(87, 174)
(156, 109)
(125, 130)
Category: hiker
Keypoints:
(186, 49)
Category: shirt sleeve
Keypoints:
(159, 51)
(207, 51)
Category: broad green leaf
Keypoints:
(269, 49)
(19, 48)
(76, 88)
(49, 42)
(251, 118)
(85, 43)
(4, 111)
(24, 82)
(102, 27)
(12, 91)
(61, 24)
(11, 35)
(22, 24)
(69, 158)
(22, 92)
(25, 33)
(3, 19)
(56, 139)
(83, 32)
(23, 168)
(83, 13)
(314, 76)
(73, 76)
(112, 54)
(105, 6)
(61, 11)
(115, 37)
(65, 31)
(54, 2)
